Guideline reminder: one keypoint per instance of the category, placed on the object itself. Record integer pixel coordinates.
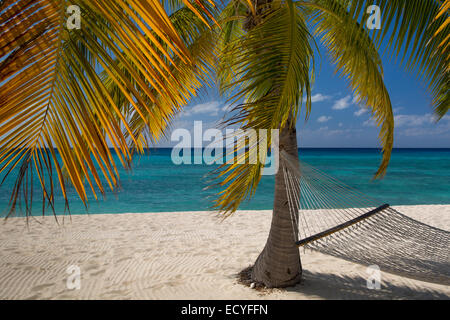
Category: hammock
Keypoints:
(333, 218)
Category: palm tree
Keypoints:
(266, 58)
(125, 74)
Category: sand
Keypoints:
(177, 255)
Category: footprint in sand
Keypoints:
(98, 272)
(123, 259)
(119, 293)
(42, 286)
(91, 267)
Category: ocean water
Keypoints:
(414, 176)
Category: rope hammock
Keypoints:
(333, 218)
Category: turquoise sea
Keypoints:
(415, 176)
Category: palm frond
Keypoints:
(270, 70)
(56, 112)
(200, 41)
(416, 32)
(442, 96)
(355, 56)
(232, 20)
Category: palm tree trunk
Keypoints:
(279, 263)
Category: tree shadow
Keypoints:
(336, 287)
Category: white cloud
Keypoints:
(413, 120)
(323, 119)
(318, 98)
(341, 104)
(211, 108)
(441, 128)
(369, 123)
(414, 125)
(329, 132)
(226, 107)
(360, 112)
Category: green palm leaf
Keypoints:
(53, 97)
(199, 40)
(355, 56)
(269, 67)
(418, 33)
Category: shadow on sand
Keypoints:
(331, 286)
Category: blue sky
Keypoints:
(337, 121)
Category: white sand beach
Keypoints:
(178, 255)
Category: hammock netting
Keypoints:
(333, 218)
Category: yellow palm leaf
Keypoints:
(56, 113)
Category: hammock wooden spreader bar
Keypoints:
(344, 225)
